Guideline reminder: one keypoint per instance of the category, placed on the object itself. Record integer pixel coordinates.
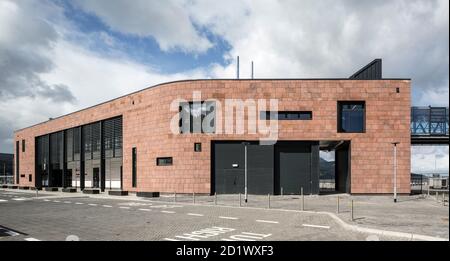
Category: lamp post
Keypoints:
(245, 171)
(395, 170)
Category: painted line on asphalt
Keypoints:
(171, 239)
(232, 218)
(168, 212)
(3, 200)
(19, 199)
(316, 226)
(94, 205)
(67, 202)
(56, 201)
(267, 221)
(107, 206)
(124, 207)
(195, 214)
(145, 209)
(79, 203)
(46, 200)
(31, 239)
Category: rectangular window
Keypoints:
(30, 178)
(351, 116)
(17, 162)
(23, 145)
(197, 147)
(133, 170)
(164, 161)
(286, 115)
(197, 117)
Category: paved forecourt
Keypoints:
(88, 218)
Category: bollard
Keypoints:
(337, 205)
(215, 198)
(281, 191)
(303, 199)
(437, 198)
(193, 197)
(428, 191)
(268, 200)
(37, 193)
(443, 199)
(240, 200)
(175, 197)
(351, 210)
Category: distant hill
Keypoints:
(326, 169)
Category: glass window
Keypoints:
(286, 115)
(351, 116)
(197, 147)
(165, 161)
(197, 117)
(134, 167)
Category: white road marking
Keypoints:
(79, 203)
(94, 205)
(168, 212)
(232, 218)
(31, 239)
(56, 201)
(246, 236)
(46, 200)
(3, 200)
(267, 221)
(124, 207)
(19, 199)
(171, 239)
(316, 226)
(195, 214)
(145, 209)
(67, 202)
(107, 206)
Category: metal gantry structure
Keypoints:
(429, 125)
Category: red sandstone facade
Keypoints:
(147, 115)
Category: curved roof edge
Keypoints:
(195, 80)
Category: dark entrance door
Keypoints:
(229, 168)
(96, 178)
(294, 168)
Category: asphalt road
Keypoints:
(49, 217)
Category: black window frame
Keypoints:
(340, 104)
(198, 147)
(134, 167)
(286, 115)
(204, 113)
(23, 145)
(164, 161)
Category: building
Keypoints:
(153, 140)
(6, 168)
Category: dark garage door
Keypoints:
(294, 168)
(287, 165)
(229, 161)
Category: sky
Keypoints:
(57, 56)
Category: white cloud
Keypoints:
(95, 78)
(430, 159)
(324, 39)
(285, 39)
(166, 21)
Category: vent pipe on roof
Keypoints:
(252, 69)
(238, 67)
